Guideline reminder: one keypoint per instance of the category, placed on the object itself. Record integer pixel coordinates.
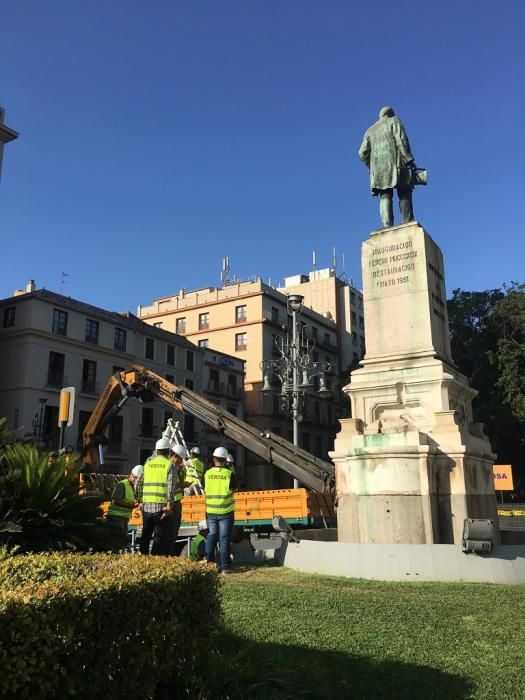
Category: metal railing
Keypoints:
(90, 387)
(56, 380)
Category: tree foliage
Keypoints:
(41, 507)
(488, 345)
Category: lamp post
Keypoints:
(295, 369)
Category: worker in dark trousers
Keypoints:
(179, 454)
(156, 492)
(123, 500)
(219, 484)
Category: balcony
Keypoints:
(89, 387)
(148, 431)
(216, 387)
(56, 380)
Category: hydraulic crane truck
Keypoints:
(304, 507)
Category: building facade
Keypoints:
(49, 341)
(245, 320)
(334, 298)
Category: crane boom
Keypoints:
(139, 382)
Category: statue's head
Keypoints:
(386, 112)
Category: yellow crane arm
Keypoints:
(139, 382)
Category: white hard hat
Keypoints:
(138, 471)
(163, 444)
(180, 450)
(203, 525)
(220, 452)
(195, 451)
(229, 458)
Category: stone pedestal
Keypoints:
(411, 465)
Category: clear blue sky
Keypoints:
(157, 137)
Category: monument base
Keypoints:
(411, 465)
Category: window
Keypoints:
(204, 321)
(83, 417)
(55, 370)
(147, 429)
(315, 332)
(327, 338)
(361, 322)
(115, 434)
(158, 324)
(9, 316)
(240, 314)
(214, 380)
(91, 331)
(232, 410)
(203, 343)
(318, 449)
(170, 355)
(189, 360)
(170, 378)
(189, 384)
(354, 338)
(306, 442)
(241, 341)
(167, 416)
(180, 326)
(89, 377)
(189, 427)
(144, 456)
(59, 322)
(352, 298)
(275, 314)
(119, 342)
(149, 353)
(354, 318)
(232, 385)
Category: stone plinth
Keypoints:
(411, 465)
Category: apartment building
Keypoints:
(48, 341)
(328, 294)
(245, 319)
(223, 385)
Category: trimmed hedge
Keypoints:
(97, 625)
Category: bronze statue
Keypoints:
(386, 152)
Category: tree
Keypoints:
(487, 346)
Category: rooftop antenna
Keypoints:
(314, 259)
(343, 263)
(63, 281)
(225, 274)
(334, 259)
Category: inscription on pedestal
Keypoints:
(391, 265)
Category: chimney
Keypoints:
(30, 286)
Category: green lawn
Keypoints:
(291, 635)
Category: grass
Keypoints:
(292, 635)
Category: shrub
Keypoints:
(41, 507)
(98, 625)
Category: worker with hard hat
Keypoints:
(156, 491)
(230, 462)
(219, 484)
(178, 457)
(198, 543)
(194, 472)
(123, 500)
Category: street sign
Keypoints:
(502, 474)
(67, 406)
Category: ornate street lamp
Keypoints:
(294, 369)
